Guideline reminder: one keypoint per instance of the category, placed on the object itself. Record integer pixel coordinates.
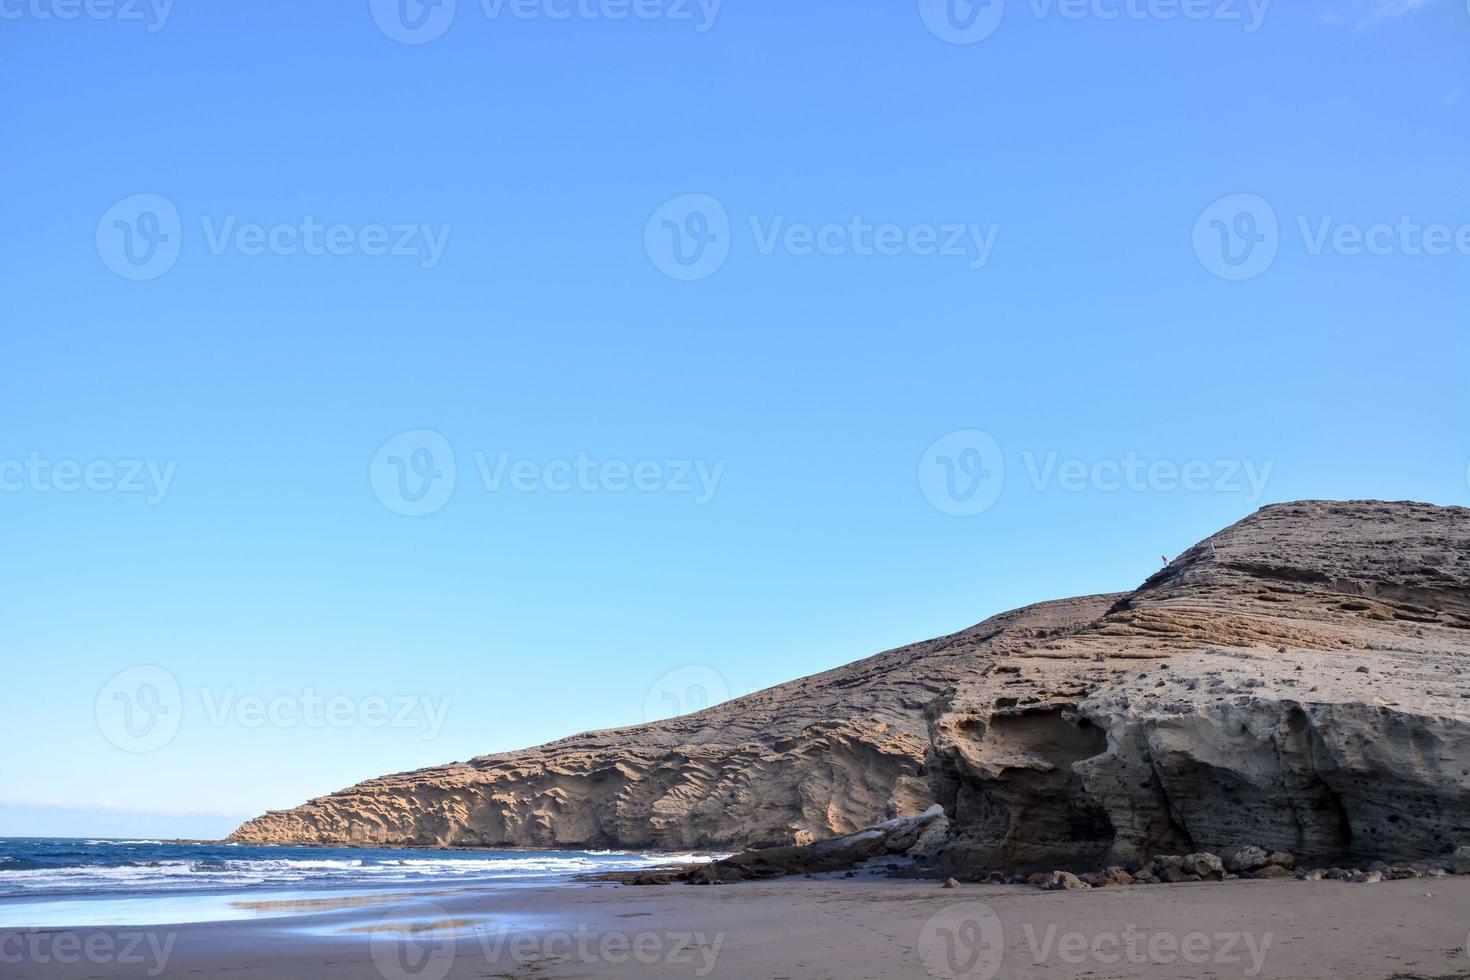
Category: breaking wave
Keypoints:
(63, 867)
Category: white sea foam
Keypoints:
(174, 874)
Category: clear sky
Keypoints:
(386, 385)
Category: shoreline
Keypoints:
(59, 867)
(360, 846)
(869, 927)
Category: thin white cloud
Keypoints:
(1364, 13)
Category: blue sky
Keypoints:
(385, 391)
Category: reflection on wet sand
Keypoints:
(419, 927)
(332, 903)
(302, 912)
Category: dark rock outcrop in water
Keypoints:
(1296, 682)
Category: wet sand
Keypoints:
(839, 928)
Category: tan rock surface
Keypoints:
(1221, 704)
(825, 755)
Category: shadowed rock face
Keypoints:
(1297, 681)
(1220, 704)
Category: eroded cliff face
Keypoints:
(818, 757)
(1297, 681)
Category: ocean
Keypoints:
(55, 881)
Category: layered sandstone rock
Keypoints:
(1296, 682)
(819, 757)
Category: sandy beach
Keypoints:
(795, 929)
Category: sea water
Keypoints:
(60, 881)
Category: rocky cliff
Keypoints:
(1296, 681)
